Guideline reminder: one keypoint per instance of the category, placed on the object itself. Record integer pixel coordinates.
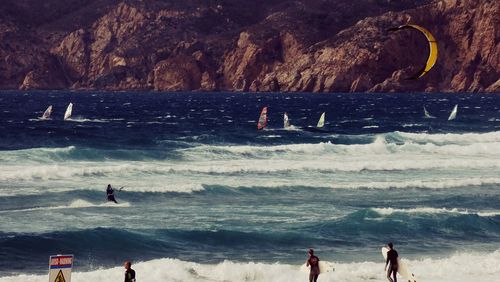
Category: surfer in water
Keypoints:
(392, 260)
(129, 272)
(313, 261)
(110, 193)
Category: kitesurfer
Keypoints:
(129, 272)
(313, 262)
(392, 260)
(110, 193)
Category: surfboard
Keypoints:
(324, 267)
(403, 269)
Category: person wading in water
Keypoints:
(129, 272)
(313, 262)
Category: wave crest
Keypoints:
(450, 269)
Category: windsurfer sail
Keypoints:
(262, 119)
(69, 111)
(321, 121)
(47, 113)
(427, 115)
(286, 121)
(453, 114)
(433, 48)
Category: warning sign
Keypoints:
(60, 277)
(60, 268)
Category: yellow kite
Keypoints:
(433, 49)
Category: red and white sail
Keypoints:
(262, 119)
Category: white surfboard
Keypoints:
(403, 270)
(324, 267)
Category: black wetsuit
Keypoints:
(313, 261)
(392, 259)
(111, 195)
(129, 275)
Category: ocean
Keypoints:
(208, 197)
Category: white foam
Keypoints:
(430, 210)
(465, 138)
(292, 128)
(442, 145)
(192, 184)
(81, 119)
(76, 204)
(271, 136)
(456, 268)
(411, 124)
(459, 162)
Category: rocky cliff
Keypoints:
(241, 45)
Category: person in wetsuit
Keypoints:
(392, 260)
(129, 272)
(313, 261)
(110, 193)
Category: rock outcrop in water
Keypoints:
(240, 45)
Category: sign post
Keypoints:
(60, 268)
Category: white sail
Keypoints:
(427, 115)
(68, 112)
(47, 113)
(321, 121)
(453, 114)
(286, 122)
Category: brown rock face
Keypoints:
(73, 55)
(240, 45)
(177, 74)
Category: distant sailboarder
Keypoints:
(321, 121)
(69, 111)
(262, 119)
(453, 114)
(47, 113)
(427, 115)
(286, 121)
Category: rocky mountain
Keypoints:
(241, 45)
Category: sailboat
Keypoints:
(69, 111)
(453, 114)
(321, 121)
(47, 113)
(262, 119)
(427, 115)
(286, 121)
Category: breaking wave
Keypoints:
(454, 268)
(76, 204)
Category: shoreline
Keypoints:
(453, 268)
